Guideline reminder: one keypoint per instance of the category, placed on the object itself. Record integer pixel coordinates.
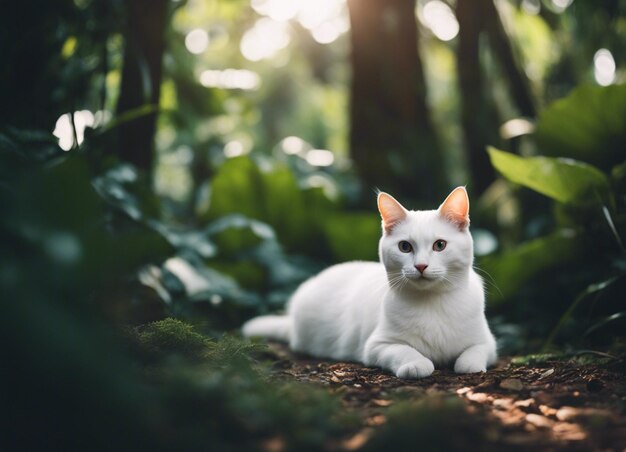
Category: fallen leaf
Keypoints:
(569, 432)
(568, 413)
(547, 411)
(538, 420)
(357, 441)
(276, 444)
(376, 420)
(524, 403)
(513, 384)
(382, 402)
(547, 373)
(478, 397)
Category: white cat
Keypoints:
(422, 306)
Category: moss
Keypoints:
(222, 392)
(171, 336)
(591, 358)
(431, 424)
(231, 350)
(531, 360)
(581, 357)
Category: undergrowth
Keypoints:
(223, 396)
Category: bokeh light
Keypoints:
(330, 30)
(313, 14)
(197, 41)
(325, 19)
(264, 39)
(516, 127)
(278, 10)
(441, 20)
(561, 5)
(531, 6)
(64, 129)
(293, 145)
(604, 67)
(320, 157)
(230, 79)
(234, 148)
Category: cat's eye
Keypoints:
(439, 245)
(405, 246)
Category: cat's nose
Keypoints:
(421, 267)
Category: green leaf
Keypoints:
(511, 270)
(129, 116)
(353, 236)
(565, 180)
(269, 192)
(237, 188)
(587, 125)
(595, 288)
(605, 321)
(235, 234)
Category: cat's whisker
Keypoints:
(397, 282)
(391, 282)
(489, 279)
(447, 280)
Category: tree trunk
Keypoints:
(503, 50)
(392, 141)
(474, 108)
(141, 79)
(477, 115)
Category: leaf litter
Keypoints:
(542, 404)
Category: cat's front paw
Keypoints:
(419, 368)
(464, 365)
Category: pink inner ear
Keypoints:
(456, 207)
(390, 210)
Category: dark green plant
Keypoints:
(587, 244)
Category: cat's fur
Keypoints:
(389, 314)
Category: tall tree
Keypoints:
(477, 112)
(392, 141)
(474, 108)
(141, 78)
(519, 85)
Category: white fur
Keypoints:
(388, 314)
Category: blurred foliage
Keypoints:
(429, 423)
(587, 125)
(173, 336)
(213, 393)
(589, 218)
(563, 180)
(118, 285)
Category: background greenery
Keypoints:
(208, 156)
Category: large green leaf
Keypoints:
(353, 236)
(271, 193)
(587, 125)
(508, 272)
(237, 188)
(565, 180)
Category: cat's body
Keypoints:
(420, 307)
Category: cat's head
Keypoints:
(426, 249)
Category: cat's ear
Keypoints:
(456, 208)
(390, 210)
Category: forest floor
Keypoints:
(539, 403)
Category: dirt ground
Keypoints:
(574, 403)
